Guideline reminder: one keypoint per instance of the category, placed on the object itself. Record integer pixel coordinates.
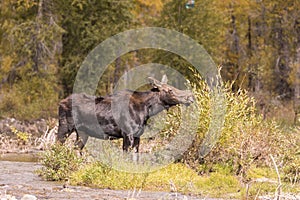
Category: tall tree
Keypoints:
(30, 47)
(87, 23)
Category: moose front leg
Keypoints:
(136, 144)
(128, 141)
(64, 131)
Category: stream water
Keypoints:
(18, 157)
(18, 178)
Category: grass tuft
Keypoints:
(59, 162)
(173, 178)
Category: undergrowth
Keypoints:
(179, 177)
(59, 162)
(30, 99)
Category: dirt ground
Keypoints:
(18, 179)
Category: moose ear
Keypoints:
(164, 79)
(155, 83)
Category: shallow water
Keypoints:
(19, 157)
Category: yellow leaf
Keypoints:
(6, 64)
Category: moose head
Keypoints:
(170, 95)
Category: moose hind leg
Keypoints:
(81, 139)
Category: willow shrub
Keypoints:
(59, 162)
(246, 140)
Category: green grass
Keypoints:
(180, 178)
(174, 177)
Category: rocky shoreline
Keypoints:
(36, 127)
(26, 137)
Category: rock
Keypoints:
(7, 197)
(29, 197)
(35, 128)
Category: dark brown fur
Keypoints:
(123, 114)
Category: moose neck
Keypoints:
(153, 103)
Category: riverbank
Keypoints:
(18, 179)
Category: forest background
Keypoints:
(255, 43)
(43, 43)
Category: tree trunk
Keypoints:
(37, 56)
(252, 74)
(117, 71)
(235, 49)
(297, 90)
(46, 52)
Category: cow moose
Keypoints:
(123, 114)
